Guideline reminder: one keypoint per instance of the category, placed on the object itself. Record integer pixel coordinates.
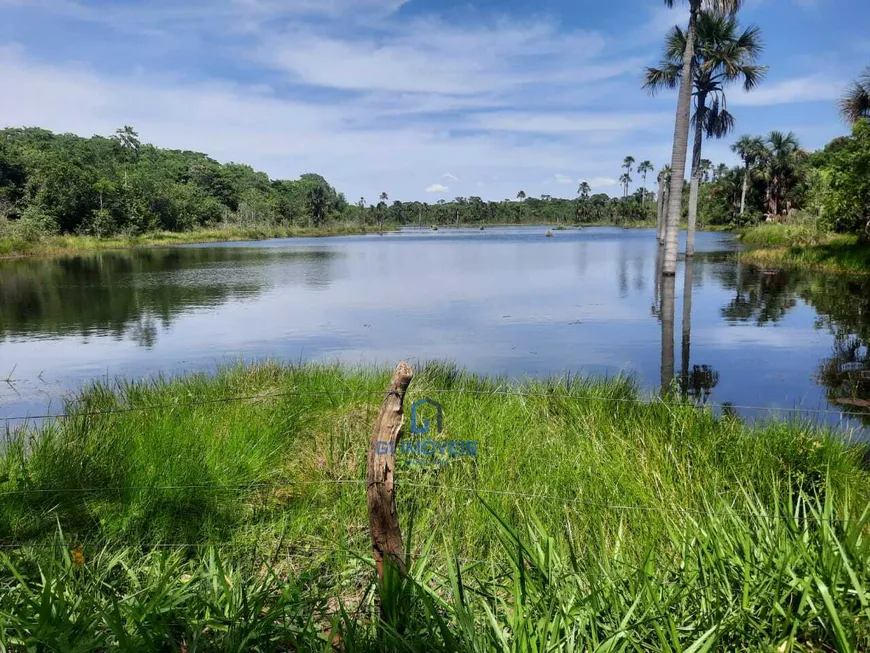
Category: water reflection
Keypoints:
(135, 293)
(842, 306)
(668, 287)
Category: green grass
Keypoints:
(12, 246)
(807, 247)
(651, 527)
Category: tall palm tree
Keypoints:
(782, 160)
(583, 190)
(625, 180)
(681, 127)
(384, 197)
(855, 104)
(643, 168)
(521, 196)
(751, 151)
(627, 165)
(722, 55)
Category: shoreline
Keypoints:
(54, 246)
(70, 244)
(799, 247)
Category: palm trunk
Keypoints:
(668, 287)
(659, 211)
(681, 144)
(696, 181)
(745, 188)
(687, 326)
(665, 225)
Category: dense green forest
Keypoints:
(62, 183)
(66, 184)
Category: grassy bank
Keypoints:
(12, 246)
(586, 520)
(807, 247)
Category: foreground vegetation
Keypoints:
(806, 246)
(587, 520)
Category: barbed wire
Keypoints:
(559, 392)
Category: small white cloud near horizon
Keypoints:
(563, 179)
(450, 177)
(437, 188)
(601, 182)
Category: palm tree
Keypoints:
(664, 180)
(583, 190)
(383, 197)
(855, 104)
(627, 164)
(723, 55)
(643, 168)
(681, 127)
(781, 168)
(750, 150)
(128, 139)
(625, 180)
(521, 196)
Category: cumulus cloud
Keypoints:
(439, 189)
(563, 179)
(450, 177)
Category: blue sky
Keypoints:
(422, 99)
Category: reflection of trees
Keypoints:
(843, 307)
(668, 283)
(130, 293)
(761, 296)
(846, 376)
(699, 382)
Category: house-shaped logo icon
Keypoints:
(424, 429)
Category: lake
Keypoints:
(504, 301)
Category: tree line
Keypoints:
(63, 183)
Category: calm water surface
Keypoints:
(501, 301)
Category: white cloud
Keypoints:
(563, 179)
(432, 56)
(560, 123)
(812, 88)
(596, 183)
(437, 188)
(450, 177)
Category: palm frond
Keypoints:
(667, 76)
(855, 103)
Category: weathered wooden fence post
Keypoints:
(380, 474)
